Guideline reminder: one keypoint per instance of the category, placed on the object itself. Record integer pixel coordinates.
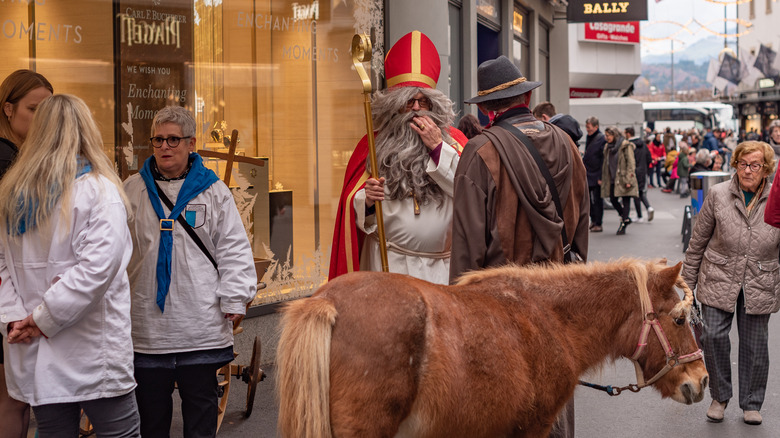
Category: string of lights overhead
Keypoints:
(730, 2)
(676, 36)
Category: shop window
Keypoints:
(70, 44)
(521, 44)
(279, 72)
(490, 10)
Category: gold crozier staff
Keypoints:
(361, 52)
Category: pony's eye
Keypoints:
(680, 320)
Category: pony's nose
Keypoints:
(688, 393)
(704, 381)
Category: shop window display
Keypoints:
(278, 71)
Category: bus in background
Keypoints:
(687, 115)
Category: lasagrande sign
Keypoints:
(614, 32)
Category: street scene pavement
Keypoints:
(635, 415)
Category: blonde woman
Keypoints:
(20, 94)
(65, 296)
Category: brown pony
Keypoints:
(499, 354)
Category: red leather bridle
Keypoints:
(672, 359)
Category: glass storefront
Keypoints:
(279, 72)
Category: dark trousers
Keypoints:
(655, 170)
(199, 402)
(641, 199)
(753, 358)
(111, 417)
(622, 208)
(596, 205)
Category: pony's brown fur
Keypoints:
(498, 354)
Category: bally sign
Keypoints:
(589, 11)
(617, 32)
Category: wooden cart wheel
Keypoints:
(224, 389)
(255, 375)
(85, 426)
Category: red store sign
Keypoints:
(621, 32)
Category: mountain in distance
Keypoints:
(690, 68)
(699, 52)
(687, 76)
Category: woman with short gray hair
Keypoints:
(191, 276)
(732, 264)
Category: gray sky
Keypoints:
(707, 14)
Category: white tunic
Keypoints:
(425, 239)
(74, 283)
(198, 297)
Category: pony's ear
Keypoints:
(667, 277)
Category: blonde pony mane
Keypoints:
(638, 269)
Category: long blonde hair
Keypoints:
(62, 133)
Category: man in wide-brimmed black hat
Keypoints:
(519, 222)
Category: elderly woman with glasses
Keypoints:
(732, 263)
(191, 275)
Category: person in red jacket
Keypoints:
(658, 154)
(418, 151)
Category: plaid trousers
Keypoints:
(753, 361)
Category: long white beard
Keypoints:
(402, 158)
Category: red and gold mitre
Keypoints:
(413, 61)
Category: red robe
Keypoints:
(347, 239)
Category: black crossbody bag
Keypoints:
(570, 254)
(183, 222)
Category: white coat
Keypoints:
(74, 282)
(199, 296)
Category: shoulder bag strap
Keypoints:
(183, 222)
(545, 173)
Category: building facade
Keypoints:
(281, 74)
(757, 96)
(604, 59)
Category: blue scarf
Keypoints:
(198, 179)
(84, 168)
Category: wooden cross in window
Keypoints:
(231, 156)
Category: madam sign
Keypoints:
(589, 11)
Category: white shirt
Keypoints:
(199, 296)
(73, 281)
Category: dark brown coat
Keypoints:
(492, 225)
